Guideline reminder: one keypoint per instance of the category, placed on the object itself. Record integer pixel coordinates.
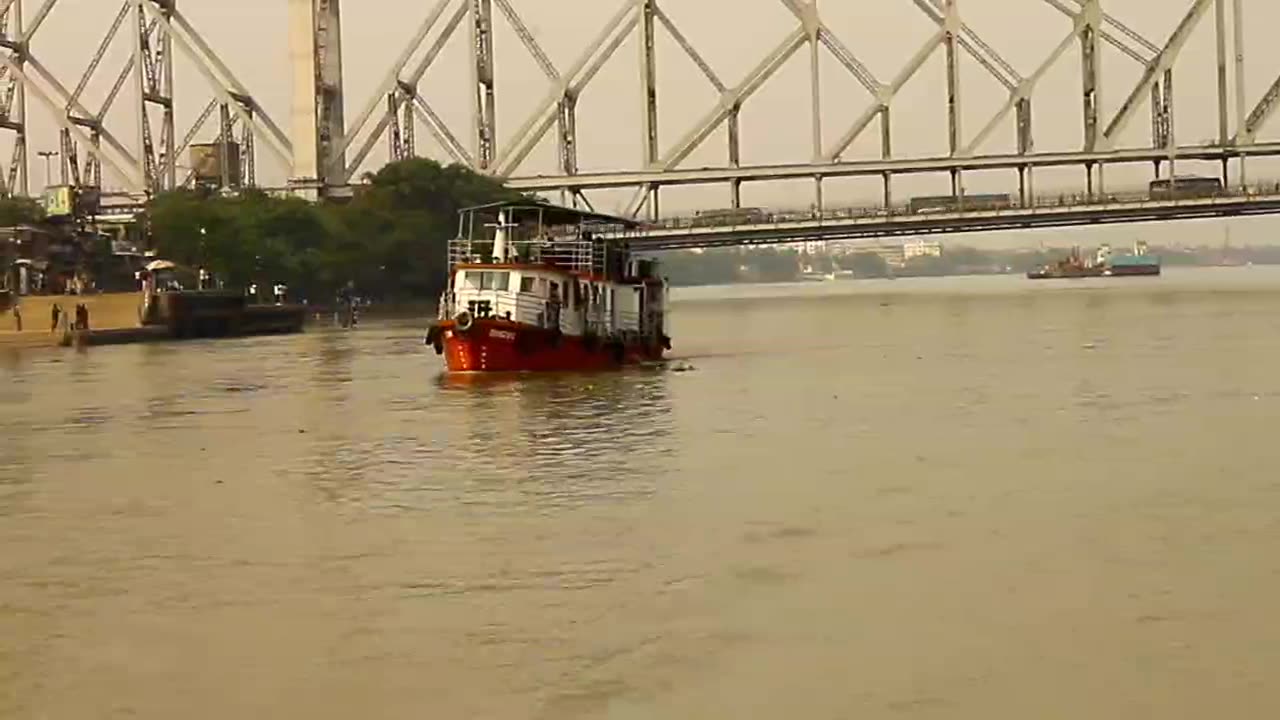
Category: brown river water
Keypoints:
(960, 498)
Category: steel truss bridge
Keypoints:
(322, 148)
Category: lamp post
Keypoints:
(48, 156)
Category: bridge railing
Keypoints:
(1046, 201)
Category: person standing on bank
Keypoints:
(55, 314)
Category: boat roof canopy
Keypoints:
(551, 214)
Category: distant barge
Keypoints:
(1103, 264)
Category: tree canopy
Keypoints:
(20, 211)
(390, 239)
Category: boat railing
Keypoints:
(572, 254)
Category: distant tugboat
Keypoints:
(1103, 264)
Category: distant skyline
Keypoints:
(733, 35)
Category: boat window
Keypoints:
(495, 280)
(526, 284)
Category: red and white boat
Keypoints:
(538, 287)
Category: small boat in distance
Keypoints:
(1137, 263)
(539, 287)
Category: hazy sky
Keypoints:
(733, 35)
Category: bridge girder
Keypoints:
(322, 149)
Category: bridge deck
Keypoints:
(885, 224)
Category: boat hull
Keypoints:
(1092, 272)
(498, 346)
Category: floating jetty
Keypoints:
(127, 318)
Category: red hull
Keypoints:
(500, 346)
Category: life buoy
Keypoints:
(463, 321)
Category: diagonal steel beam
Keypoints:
(886, 95)
(219, 78)
(584, 78)
(734, 98)
(121, 166)
(528, 40)
(1124, 47)
(537, 124)
(392, 78)
(1261, 113)
(1162, 62)
(38, 19)
(415, 77)
(440, 130)
(837, 48)
(689, 50)
(100, 54)
(210, 64)
(60, 93)
(994, 64)
(1124, 29)
(1024, 91)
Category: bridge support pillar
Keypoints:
(1022, 185)
(1088, 181)
(315, 40)
(888, 192)
(484, 116)
(735, 194)
(819, 206)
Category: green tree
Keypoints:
(20, 211)
(390, 240)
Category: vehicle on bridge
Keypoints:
(1184, 186)
(731, 216)
(538, 287)
(951, 203)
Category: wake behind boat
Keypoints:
(538, 287)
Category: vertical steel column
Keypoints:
(1224, 129)
(153, 75)
(15, 114)
(886, 153)
(812, 26)
(1091, 59)
(319, 127)
(484, 118)
(1170, 140)
(649, 92)
(165, 41)
(568, 141)
(953, 29)
(735, 154)
(140, 62)
(1026, 145)
(1237, 19)
(330, 88)
(226, 136)
(395, 138)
